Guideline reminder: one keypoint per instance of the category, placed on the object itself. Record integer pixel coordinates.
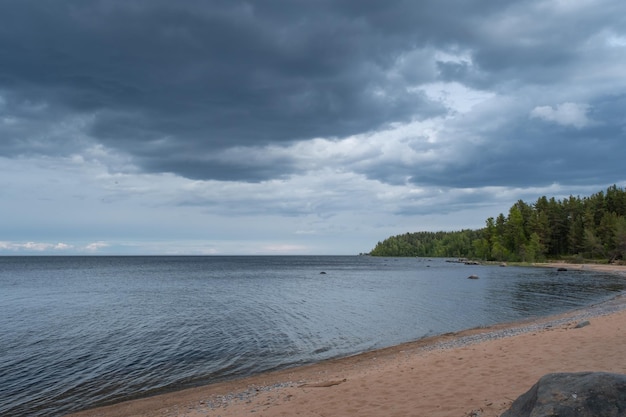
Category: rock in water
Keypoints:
(582, 394)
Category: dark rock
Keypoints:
(322, 273)
(562, 269)
(582, 394)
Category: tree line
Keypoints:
(591, 227)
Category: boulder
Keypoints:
(582, 394)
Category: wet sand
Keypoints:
(478, 372)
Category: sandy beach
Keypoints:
(478, 372)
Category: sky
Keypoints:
(293, 127)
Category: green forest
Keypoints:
(574, 229)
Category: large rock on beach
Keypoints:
(582, 394)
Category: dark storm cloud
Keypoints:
(209, 74)
(213, 74)
(175, 83)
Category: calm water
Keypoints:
(82, 331)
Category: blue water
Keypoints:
(76, 332)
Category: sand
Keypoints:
(477, 372)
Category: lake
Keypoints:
(76, 332)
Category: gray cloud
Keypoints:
(184, 87)
(208, 75)
(530, 152)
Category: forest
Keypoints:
(574, 229)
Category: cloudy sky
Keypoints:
(297, 126)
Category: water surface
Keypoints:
(82, 331)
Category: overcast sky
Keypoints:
(297, 126)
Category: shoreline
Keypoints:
(616, 269)
(473, 372)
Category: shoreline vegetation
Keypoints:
(471, 373)
(576, 229)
